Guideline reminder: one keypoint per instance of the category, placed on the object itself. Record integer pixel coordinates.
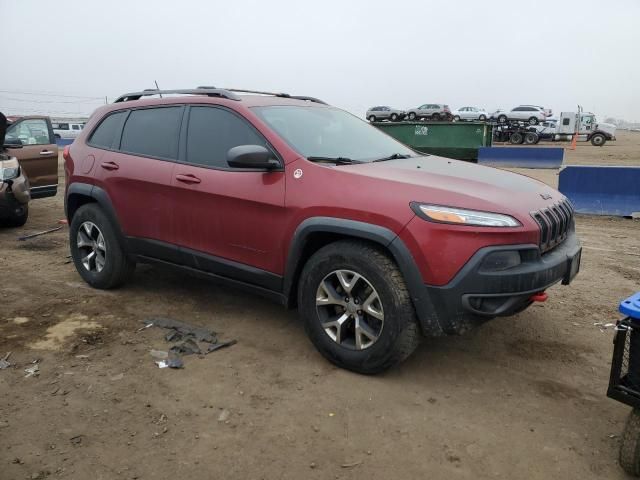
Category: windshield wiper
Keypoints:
(336, 160)
(394, 156)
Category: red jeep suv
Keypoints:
(376, 244)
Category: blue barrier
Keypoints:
(61, 142)
(602, 190)
(521, 157)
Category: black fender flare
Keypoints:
(99, 196)
(366, 231)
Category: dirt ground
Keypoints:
(521, 397)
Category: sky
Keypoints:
(62, 58)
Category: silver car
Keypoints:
(375, 114)
(533, 114)
(470, 113)
(432, 111)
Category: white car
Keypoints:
(533, 114)
(470, 113)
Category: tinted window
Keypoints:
(75, 127)
(153, 132)
(213, 131)
(34, 131)
(60, 126)
(108, 132)
(565, 121)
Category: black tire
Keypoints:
(482, 118)
(412, 116)
(399, 335)
(533, 121)
(118, 267)
(57, 136)
(502, 119)
(456, 118)
(435, 117)
(372, 118)
(394, 117)
(516, 138)
(630, 446)
(598, 140)
(18, 218)
(531, 138)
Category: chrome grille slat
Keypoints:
(555, 222)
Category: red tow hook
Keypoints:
(539, 297)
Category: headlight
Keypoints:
(459, 216)
(9, 170)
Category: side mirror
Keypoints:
(251, 156)
(12, 143)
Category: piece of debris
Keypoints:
(188, 339)
(312, 465)
(604, 326)
(224, 415)
(77, 440)
(32, 371)
(159, 354)
(37, 234)
(119, 376)
(4, 361)
(351, 465)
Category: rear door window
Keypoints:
(107, 134)
(153, 132)
(213, 131)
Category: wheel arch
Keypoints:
(316, 232)
(79, 194)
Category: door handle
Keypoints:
(46, 152)
(187, 178)
(109, 165)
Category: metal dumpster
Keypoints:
(459, 140)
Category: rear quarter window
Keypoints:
(153, 132)
(107, 133)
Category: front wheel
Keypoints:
(630, 446)
(533, 121)
(96, 252)
(394, 117)
(372, 118)
(502, 119)
(598, 140)
(412, 116)
(482, 118)
(17, 218)
(356, 308)
(456, 118)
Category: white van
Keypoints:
(67, 129)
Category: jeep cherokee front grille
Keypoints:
(555, 223)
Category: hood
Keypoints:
(443, 181)
(607, 127)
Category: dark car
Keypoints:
(376, 244)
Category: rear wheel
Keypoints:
(394, 117)
(456, 118)
(372, 118)
(355, 307)
(502, 119)
(435, 116)
(630, 446)
(531, 138)
(533, 121)
(516, 138)
(482, 118)
(598, 140)
(97, 254)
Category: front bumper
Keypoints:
(14, 195)
(480, 292)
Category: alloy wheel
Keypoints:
(92, 247)
(350, 309)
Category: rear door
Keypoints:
(230, 221)
(38, 155)
(136, 173)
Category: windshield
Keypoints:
(330, 133)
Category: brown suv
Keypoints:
(30, 153)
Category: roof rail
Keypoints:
(283, 95)
(209, 91)
(229, 93)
